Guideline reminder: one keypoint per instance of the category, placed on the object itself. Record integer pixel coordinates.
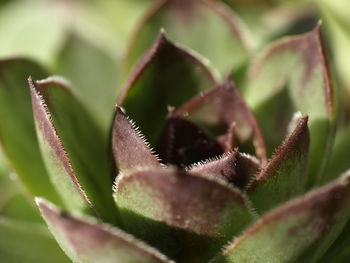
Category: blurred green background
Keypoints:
(86, 40)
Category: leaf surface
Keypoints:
(88, 241)
(130, 149)
(93, 73)
(166, 75)
(300, 230)
(284, 176)
(223, 106)
(73, 146)
(17, 130)
(22, 242)
(188, 217)
(206, 26)
(284, 79)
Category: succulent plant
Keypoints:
(189, 166)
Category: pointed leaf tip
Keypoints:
(223, 105)
(55, 155)
(130, 149)
(86, 240)
(284, 175)
(154, 84)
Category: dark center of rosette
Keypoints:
(182, 143)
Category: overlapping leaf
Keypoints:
(285, 174)
(206, 26)
(74, 148)
(85, 240)
(17, 130)
(28, 242)
(93, 73)
(292, 74)
(223, 106)
(186, 216)
(298, 231)
(167, 75)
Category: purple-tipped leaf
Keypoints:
(223, 105)
(292, 75)
(73, 145)
(86, 240)
(130, 149)
(166, 75)
(298, 231)
(55, 156)
(284, 176)
(176, 212)
(232, 167)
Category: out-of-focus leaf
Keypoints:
(155, 84)
(17, 130)
(337, 22)
(182, 143)
(19, 207)
(130, 149)
(188, 217)
(223, 106)
(72, 144)
(94, 76)
(35, 34)
(85, 240)
(23, 242)
(285, 174)
(339, 159)
(286, 78)
(298, 231)
(206, 26)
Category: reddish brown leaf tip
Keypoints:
(130, 149)
(47, 130)
(224, 105)
(162, 47)
(293, 149)
(223, 167)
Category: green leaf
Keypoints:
(167, 75)
(284, 79)
(34, 34)
(298, 231)
(339, 159)
(55, 156)
(23, 242)
(284, 176)
(87, 241)
(337, 23)
(73, 146)
(94, 76)
(209, 27)
(17, 130)
(224, 106)
(130, 149)
(188, 217)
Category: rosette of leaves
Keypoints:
(234, 176)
